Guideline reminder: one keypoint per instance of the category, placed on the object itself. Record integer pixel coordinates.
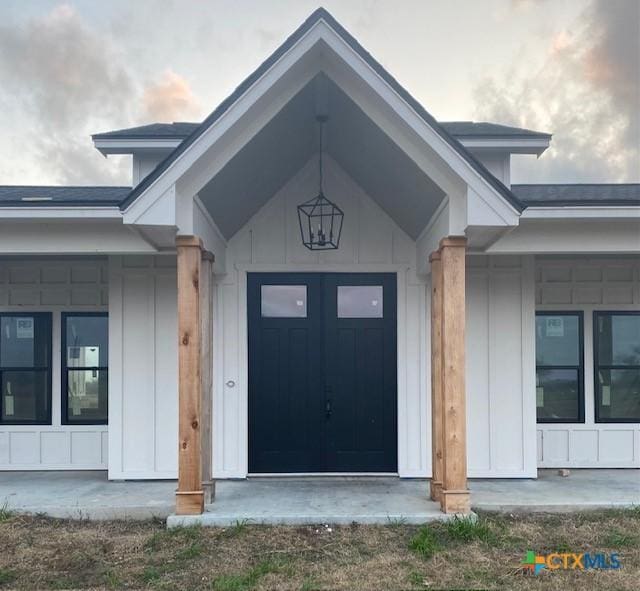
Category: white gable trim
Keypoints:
(460, 166)
(222, 125)
(129, 145)
(292, 64)
(61, 212)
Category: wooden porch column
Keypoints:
(455, 495)
(436, 377)
(189, 496)
(206, 366)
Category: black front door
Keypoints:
(322, 372)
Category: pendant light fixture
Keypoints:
(320, 219)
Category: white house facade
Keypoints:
(464, 327)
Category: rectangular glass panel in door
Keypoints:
(617, 366)
(283, 301)
(360, 301)
(85, 368)
(25, 368)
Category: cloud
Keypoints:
(170, 99)
(70, 80)
(587, 93)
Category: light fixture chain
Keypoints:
(320, 157)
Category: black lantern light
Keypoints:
(320, 219)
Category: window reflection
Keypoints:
(284, 301)
(360, 301)
(86, 368)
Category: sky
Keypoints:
(76, 67)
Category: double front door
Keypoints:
(322, 372)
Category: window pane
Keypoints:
(557, 339)
(557, 394)
(25, 396)
(87, 395)
(87, 341)
(284, 301)
(360, 301)
(24, 341)
(618, 339)
(619, 394)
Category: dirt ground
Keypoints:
(43, 553)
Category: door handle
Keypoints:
(328, 409)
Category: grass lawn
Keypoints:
(44, 553)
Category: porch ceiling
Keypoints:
(290, 139)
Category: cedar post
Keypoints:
(436, 377)
(189, 496)
(455, 495)
(206, 366)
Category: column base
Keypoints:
(189, 502)
(435, 488)
(455, 501)
(209, 490)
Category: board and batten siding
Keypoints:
(270, 242)
(500, 310)
(500, 377)
(143, 353)
(588, 284)
(54, 285)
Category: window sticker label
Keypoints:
(606, 395)
(24, 328)
(555, 326)
(540, 397)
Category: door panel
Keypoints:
(322, 388)
(360, 376)
(285, 412)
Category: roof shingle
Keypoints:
(558, 195)
(458, 129)
(38, 196)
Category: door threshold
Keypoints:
(316, 474)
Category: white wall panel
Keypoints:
(478, 407)
(588, 284)
(166, 400)
(143, 391)
(371, 242)
(71, 284)
(55, 448)
(500, 382)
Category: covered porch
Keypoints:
(323, 500)
(324, 120)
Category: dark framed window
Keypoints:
(85, 368)
(25, 368)
(559, 367)
(616, 351)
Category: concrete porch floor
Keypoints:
(90, 495)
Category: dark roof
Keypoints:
(38, 196)
(539, 195)
(558, 195)
(459, 129)
(315, 17)
(175, 130)
(483, 129)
